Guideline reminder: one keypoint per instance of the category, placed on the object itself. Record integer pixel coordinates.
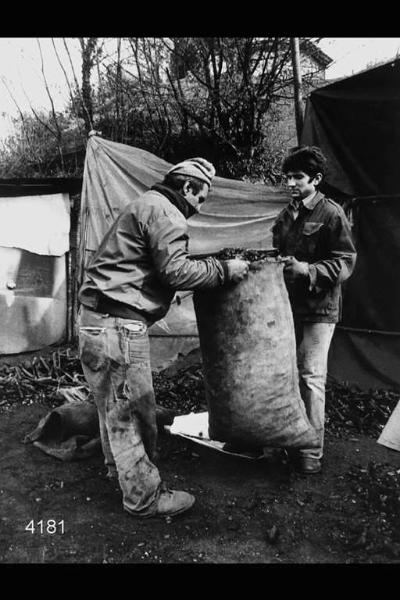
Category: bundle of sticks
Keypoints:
(40, 378)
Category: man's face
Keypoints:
(300, 184)
(195, 199)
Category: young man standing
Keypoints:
(315, 236)
(130, 284)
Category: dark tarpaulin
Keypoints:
(366, 358)
(372, 295)
(356, 123)
(366, 345)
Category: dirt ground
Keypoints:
(245, 511)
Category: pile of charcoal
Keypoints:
(251, 255)
(376, 490)
(39, 380)
(183, 392)
(350, 410)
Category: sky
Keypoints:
(22, 78)
(351, 55)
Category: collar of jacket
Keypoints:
(176, 199)
(310, 205)
(313, 203)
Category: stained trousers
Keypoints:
(115, 357)
(313, 341)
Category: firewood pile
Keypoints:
(40, 379)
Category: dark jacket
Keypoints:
(143, 259)
(321, 236)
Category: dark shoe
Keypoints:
(309, 465)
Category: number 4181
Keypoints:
(51, 526)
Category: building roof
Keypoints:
(37, 186)
(308, 47)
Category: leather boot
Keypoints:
(169, 504)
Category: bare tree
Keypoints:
(23, 151)
(53, 130)
(21, 114)
(148, 57)
(214, 95)
(220, 87)
(57, 131)
(84, 93)
(72, 91)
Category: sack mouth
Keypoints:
(252, 255)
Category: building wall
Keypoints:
(33, 300)
(34, 271)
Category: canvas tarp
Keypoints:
(356, 122)
(236, 213)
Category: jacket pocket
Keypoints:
(311, 234)
(324, 303)
(92, 347)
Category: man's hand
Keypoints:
(237, 269)
(294, 269)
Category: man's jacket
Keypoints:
(144, 257)
(320, 236)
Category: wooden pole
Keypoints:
(69, 294)
(298, 103)
(76, 268)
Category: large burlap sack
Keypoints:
(71, 431)
(250, 372)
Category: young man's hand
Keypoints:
(237, 269)
(294, 269)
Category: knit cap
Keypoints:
(195, 167)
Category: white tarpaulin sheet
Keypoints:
(390, 436)
(194, 427)
(39, 224)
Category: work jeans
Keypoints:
(313, 341)
(115, 357)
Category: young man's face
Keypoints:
(300, 184)
(195, 199)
